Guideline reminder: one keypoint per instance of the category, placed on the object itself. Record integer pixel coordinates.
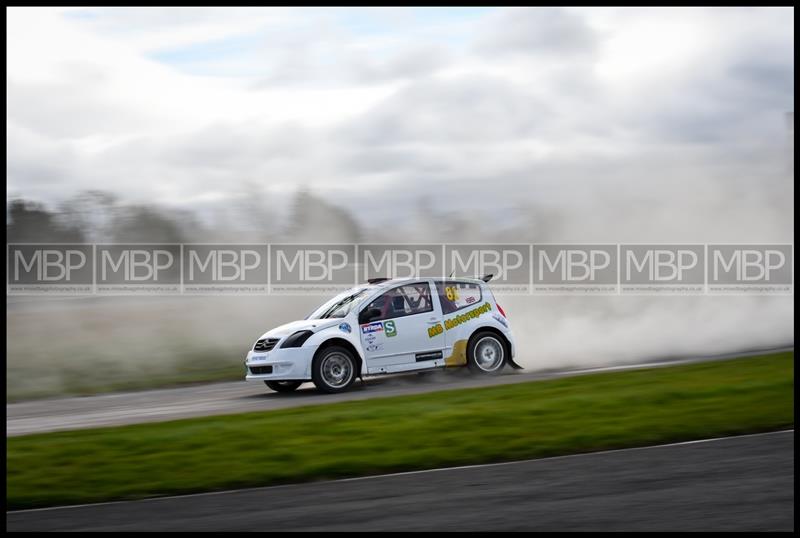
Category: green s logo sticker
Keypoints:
(389, 328)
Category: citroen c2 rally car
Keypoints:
(383, 327)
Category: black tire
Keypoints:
(486, 353)
(283, 386)
(334, 369)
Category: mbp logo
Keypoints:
(225, 268)
(311, 268)
(662, 268)
(49, 268)
(575, 268)
(400, 261)
(509, 264)
(750, 268)
(138, 268)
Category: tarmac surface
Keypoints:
(158, 405)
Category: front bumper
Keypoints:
(289, 364)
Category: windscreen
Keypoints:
(339, 306)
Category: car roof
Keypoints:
(393, 281)
(389, 282)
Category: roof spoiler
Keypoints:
(485, 278)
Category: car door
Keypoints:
(397, 329)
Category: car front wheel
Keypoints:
(283, 386)
(486, 354)
(334, 369)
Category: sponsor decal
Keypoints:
(370, 338)
(452, 323)
(466, 316)
(391, 330)
(345, 327)
(375, 347)
(499, 319)
(435, 330)
(372, 327)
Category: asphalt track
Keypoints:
(239, 396)
(743, 483)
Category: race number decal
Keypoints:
(451, 292)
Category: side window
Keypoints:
(455, 295)
(403, 301)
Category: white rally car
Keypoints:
(384, 327)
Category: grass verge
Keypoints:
(456, 427)
(99, 376)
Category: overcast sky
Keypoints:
(197, 108)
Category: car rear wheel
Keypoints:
(283, 386)
(486, 354)
(334, 369)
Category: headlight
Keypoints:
(297, 339)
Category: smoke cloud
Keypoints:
(489, 126)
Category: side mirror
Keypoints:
(368, 315)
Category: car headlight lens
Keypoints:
(297, 339)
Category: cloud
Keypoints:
(450, 111)
(550, 107)
(545, 31)
(416, 62)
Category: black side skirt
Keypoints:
(429, 356)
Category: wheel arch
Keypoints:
(336, 341)
(503, 338)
